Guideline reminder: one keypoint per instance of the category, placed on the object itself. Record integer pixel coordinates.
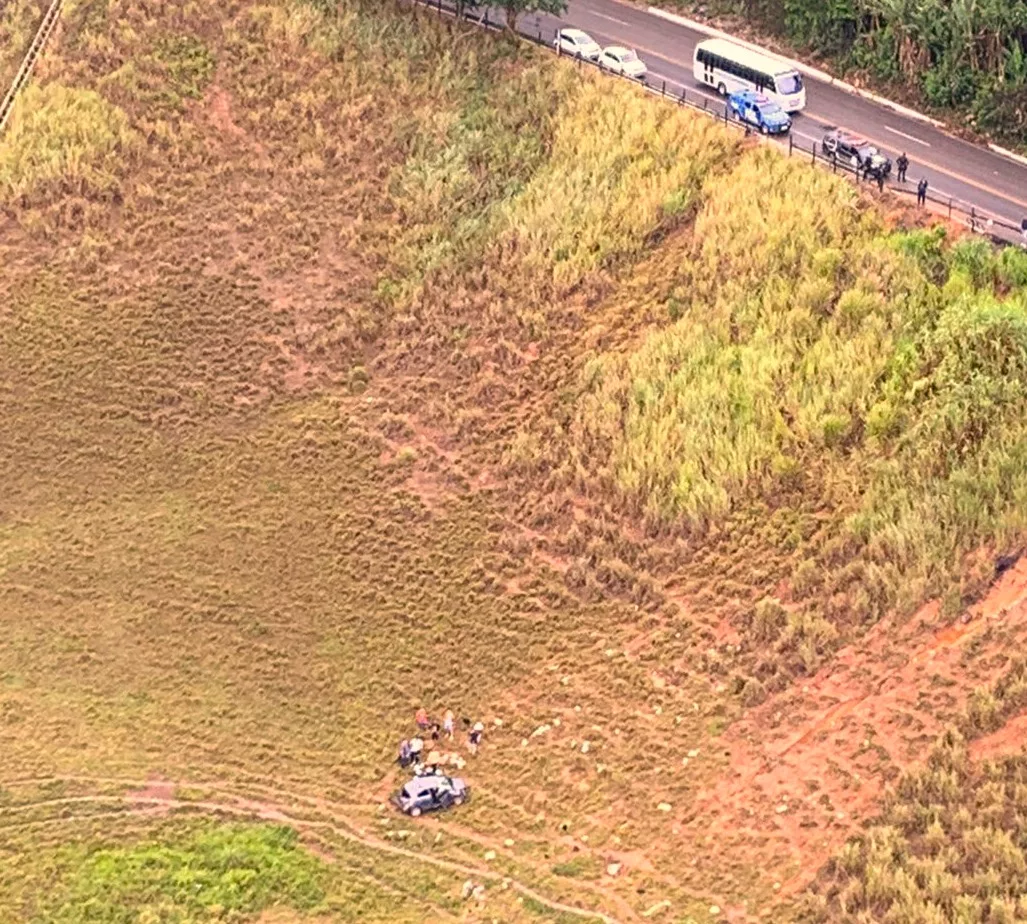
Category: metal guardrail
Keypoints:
(977, 220)
(29, 61)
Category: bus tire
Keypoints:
(722, 89)
(763, 129)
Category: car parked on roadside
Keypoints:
(430, 793)
(759, 111)
(857, 152)
(624, 61)
(577, 43)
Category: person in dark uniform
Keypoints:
(902, 165)
(921, 191)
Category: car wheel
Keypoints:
(722, 89)
(763, 129)
(458, 800)
(415, 811)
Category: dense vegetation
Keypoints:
(968, 55)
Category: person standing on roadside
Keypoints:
(921, 191)
(880, 181)
(903, 165)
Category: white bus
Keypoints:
(729, 67)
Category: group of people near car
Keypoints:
(415, 752)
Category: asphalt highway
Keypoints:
(954, 168)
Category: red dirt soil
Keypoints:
(1009, 739)
(810, 764)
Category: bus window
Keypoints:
(787, 84)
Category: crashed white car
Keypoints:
(623, 61)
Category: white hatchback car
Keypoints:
(623, 61)
(577, 43)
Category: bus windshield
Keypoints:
(787, 84)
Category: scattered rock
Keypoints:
(664, 806)
(479, 893)
(467, 889)
(524, 742)
(659, 682)
(781, 808)
(498, 723)
(714, 910)
(556, 723)
(565, 680)
(584, 838)
(612, 869)
(694, 752)
(584, 747)
(541, 730)
(777, 885)
(684, 761)
(656, 909)
(490, 855)
(508, 842)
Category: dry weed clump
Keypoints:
(63, 142)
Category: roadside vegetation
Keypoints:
(357, 360)
(964, 59)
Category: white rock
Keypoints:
(565, 680)
(498, 723)
(714, 910)
(490, 855)
(781, 809)
(612, 869)
(556, 723)
(664, 806)
(684, 761)
(508, 842)
(584, 747)
(694, 752)
(524, 742)
(659, 682)
(658, 710)
(541, 730)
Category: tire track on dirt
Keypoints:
(158, 796)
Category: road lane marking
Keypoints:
(895, 131)
(959, 178)
(620, 22)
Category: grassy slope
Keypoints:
(286, 336)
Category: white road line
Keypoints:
(662, 77)
(620, 22)
(895, 131)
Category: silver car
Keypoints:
(430, 793)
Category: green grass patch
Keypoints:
(207, 873)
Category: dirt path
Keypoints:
(810, 764)
(160, 796)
